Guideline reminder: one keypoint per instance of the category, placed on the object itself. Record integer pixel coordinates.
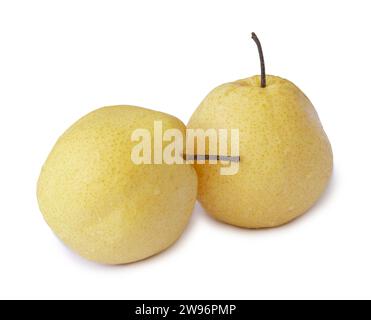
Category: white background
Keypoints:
(61, 59)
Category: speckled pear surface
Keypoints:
(286, 158)
(100, 203)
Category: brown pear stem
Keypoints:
(262, 63)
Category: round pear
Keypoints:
(104, 206)
(285, 157)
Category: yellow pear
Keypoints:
(103, 205)
(285, 156)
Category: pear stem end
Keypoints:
(262, 63)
